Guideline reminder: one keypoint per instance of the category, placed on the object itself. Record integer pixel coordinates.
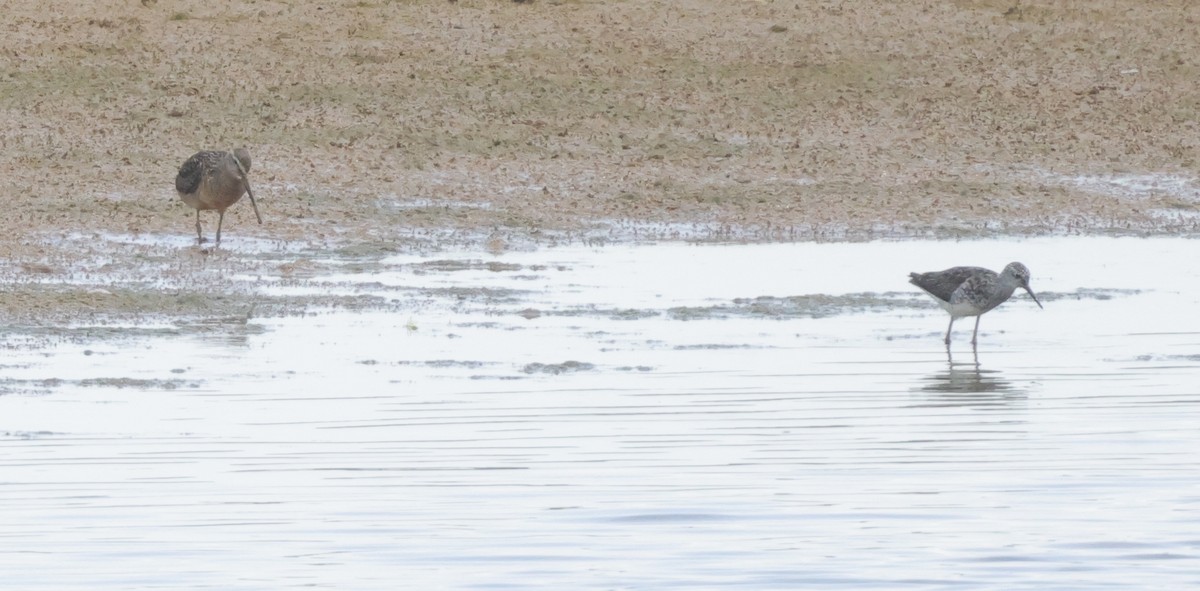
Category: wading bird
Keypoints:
(215, 180)
(972, 291)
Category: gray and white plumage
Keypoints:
(215, 180)
(972, 291)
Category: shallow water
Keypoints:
(776, 416)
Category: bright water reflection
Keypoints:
(572, 427)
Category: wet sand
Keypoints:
(774, 120)
(383, 127)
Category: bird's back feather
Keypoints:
(942, 284)
(188, 179)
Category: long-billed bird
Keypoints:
(215, 180)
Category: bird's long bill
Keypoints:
(1035, 300)
(253, 204)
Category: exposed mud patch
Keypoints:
(557, 368)
(1091, 293)
(26, 434)
(44, 386)
(140, 384)
(443, 266)
(1190, 358)
(805, 306)
(621, 314)
(484, 295)
(714, 347)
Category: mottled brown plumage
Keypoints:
(215, 180)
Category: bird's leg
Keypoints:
(199, 231)
(975, 334)
(220, 220)
(948, 329)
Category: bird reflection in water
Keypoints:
(968, 383)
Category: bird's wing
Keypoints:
(941, 284)
(978, 290)
(188, 179)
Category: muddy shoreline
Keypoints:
(384, 127)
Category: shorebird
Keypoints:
(972, 291)
(215, 180)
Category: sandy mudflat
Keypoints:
(380, 123)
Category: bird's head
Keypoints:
(1020, 273)
(243, 157)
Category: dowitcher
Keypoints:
(215, 180)
(972, 291)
